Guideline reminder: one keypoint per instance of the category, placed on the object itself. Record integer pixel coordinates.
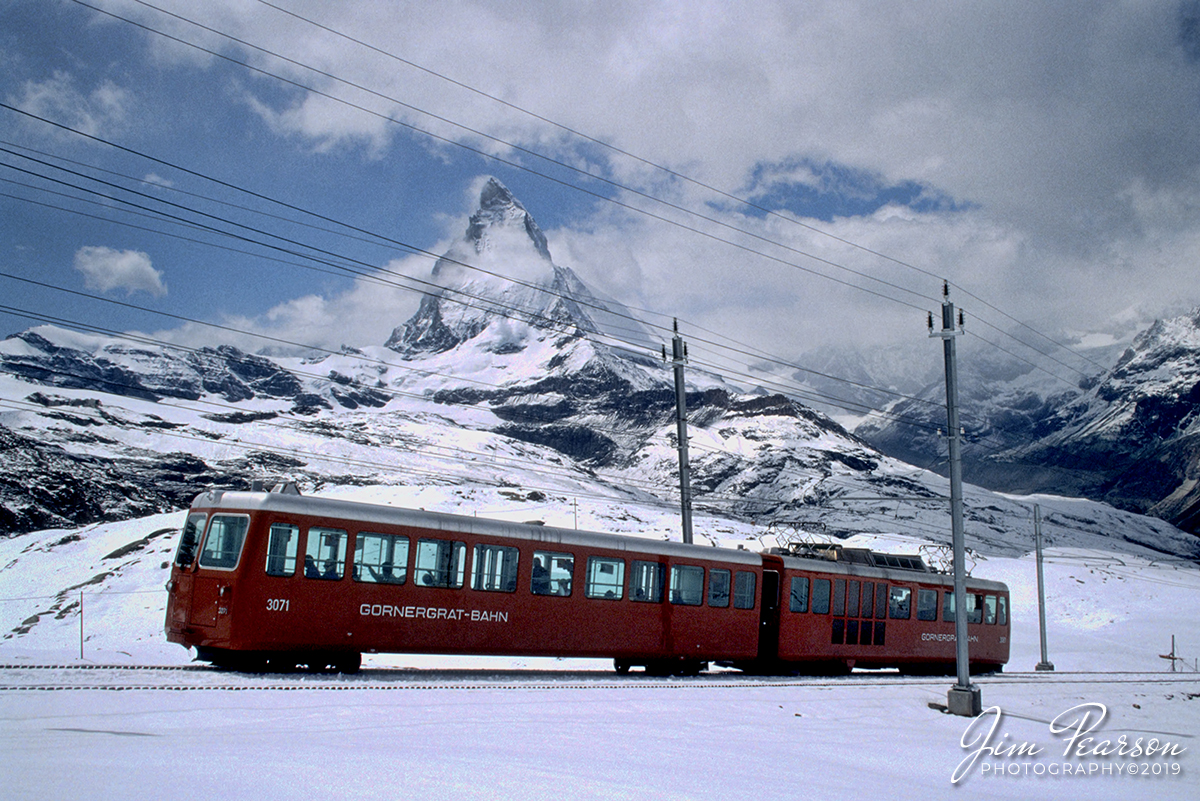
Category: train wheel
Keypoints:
(659, 667)
(282, 663)
(621, 666)
(348, 663)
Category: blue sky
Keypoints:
(1042, 158)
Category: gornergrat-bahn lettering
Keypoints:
(432, 613)
(275, 580)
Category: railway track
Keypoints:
(192, 678)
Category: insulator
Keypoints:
(929, 321)
(961, 319)
(945, 289)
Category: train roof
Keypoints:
(358, 512)
(550, 536)
(866, 571)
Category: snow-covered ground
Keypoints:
(491, 738)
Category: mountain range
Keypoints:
(517, 380)
(1125, 434)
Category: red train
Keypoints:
(276, 580)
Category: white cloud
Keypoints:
(1071, 129)
(103, 111)
(105, 269)
(363, 315)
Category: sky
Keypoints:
(1042, 157)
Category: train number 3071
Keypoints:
(277, 604)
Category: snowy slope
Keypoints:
(483, 732)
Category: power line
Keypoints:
(359, 266)
(675, 174)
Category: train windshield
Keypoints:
(192, 529)
(223, 545)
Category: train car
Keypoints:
(277, 580)
(851, 607)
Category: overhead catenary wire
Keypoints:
(358, 268)
(310, 89)
(400, 244)
(209, 227)
(801, 368)
(129, 305)
(518, 148)
(669, 171)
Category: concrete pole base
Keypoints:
(964, 701)
(1044, 666)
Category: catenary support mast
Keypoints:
(963, 698)
(679, 358)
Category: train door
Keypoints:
(768, 621)
(205, 597)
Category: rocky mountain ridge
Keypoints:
(1126, 435)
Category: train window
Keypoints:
(743, 590)
(718, 587)
(900, 605)
(1002, 614)
(380, 558)
(440, 563)
(880, 631)
(989, 609)
(926, 604)
(864, 634)
(223, 545)
(881, 596)
(974, 608)
(552, 573)
(282, 543)
(948, 606)
(839, 597)
(605, 578)
(494, 568)
(192, 529)
(852, 632)
(799, 601)
(687, 585)
(820, 598)
(325, 553)
(852, 599)
(646, 581)
(868, 599)
(839, 631)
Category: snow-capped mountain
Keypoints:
(513, 383)
(500, 278)
(1126, 436)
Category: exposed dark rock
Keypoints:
(579, 443)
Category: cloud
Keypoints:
(103, 111)
(363, 315)
(1052, 149)
(105, 269)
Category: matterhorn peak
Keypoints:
(500, 278)
(500, 211)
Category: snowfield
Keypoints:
(472, 729)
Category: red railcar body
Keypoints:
(265, 580)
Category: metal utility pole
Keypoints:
(679, 358)
(963, 698)
(1045, 664)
